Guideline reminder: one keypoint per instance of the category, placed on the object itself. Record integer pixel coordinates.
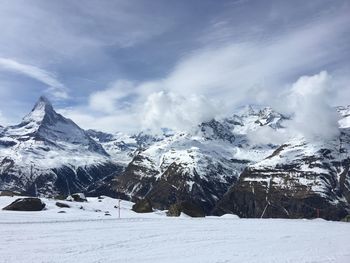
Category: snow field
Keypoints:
(88, 236)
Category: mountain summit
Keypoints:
(44, 124)
(51, 152)
(43, 108)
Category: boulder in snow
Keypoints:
(26, 204)
(62, 205)
(346, 219)
(77, 197)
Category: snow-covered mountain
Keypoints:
(216, 166)
(198, 166)
(49, 154)
(344, 122)
(299, 179)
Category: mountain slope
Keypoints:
(300, 179)
(199, 166)
(49, 154)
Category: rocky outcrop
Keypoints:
(77, 197)
(143, 206)
(346, 219)
(9, 193)
(187, 208)
(26, 204)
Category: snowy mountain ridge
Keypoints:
(48, 154)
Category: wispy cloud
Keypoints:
(121, 58)
(56, 88)
(113, 98)
(309, 101)
(3, 120)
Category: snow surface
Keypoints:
(88, 236)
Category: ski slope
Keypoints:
(89, 236)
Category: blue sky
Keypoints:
(127, 65)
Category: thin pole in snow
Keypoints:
(118, 208)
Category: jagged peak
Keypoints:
(41, 108)
(43, 103)
(249, 109)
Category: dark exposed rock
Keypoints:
(187, 208)
(62, 205)
(172, 187)
(26, 204)
(216, 130)
(9, 193)
(92, 179)
(102, 187)
(60, 197)
(77, 197)
(59, 181)
(346, 219)
(143, 206)
(5, 143)
(100, 136)
(280, 194)
(143, 140)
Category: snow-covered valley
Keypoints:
(84, 235)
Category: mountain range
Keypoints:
(215, 166)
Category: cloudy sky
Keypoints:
(126, 65)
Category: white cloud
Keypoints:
(309, 100)
(3, 120)
(169, 110)
(56, 88)
(112, 98)
(116, 121)
(267, 135)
